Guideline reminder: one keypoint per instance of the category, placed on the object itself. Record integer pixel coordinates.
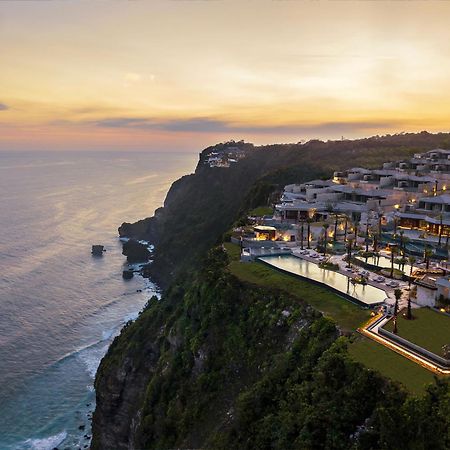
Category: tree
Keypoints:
(402, 242)
(440, 230)
(427, 253)
(302, 222)
(349, 252)
(336, 219)
(393, 253)
(325, 227)
(356, 234)
(367, 234)
(408, 311)
(345, 228)
(308, 232)
(375, 243)
(398, 295)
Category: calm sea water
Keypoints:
(59, 306)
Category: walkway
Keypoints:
(370, 330)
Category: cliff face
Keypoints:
(220, 364)
(200, 207)
(172, 377)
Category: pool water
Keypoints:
(368, 295)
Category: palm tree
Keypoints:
(325, 227)
(367, 234)
(401, 233)
(308, 232)
(345, 228)
(349, 252)
(301, 233)
(398, 295)
(393, 252)
(440, 230)
(356, 234)
(408, 311)
(375, 243)
(336, 220)
(428, 253)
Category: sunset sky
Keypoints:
(181, 75)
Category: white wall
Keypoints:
(425, 296)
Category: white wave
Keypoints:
(130, 316)
(91, 358)
(44, 443)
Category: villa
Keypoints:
(407, 198)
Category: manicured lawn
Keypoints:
(261, 211)
(429, 329)
(391, 364)
(233, 250)
(347, 315)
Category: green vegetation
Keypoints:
(390, 364)
(261, 211)
(329, 266)
(219, 363)
(429, 329)
(347, 315)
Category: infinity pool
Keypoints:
(367, 295)
(384, 263)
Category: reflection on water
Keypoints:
(59, 306)
(384, 263)
(369, 295)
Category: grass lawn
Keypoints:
(261, 211)
(391, 364)
(429, 329)
(347, 315)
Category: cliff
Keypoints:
(202, 206)
(221, 364)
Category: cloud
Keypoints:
(3, 107)
(212, 125)
(132, 77)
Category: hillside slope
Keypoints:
(221, 364)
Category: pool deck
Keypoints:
(338, 259)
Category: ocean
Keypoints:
(60, 307)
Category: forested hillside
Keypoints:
(222, 364)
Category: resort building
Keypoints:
(408, 194)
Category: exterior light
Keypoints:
(397, 206)
(444, 187)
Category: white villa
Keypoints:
(411, 193)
